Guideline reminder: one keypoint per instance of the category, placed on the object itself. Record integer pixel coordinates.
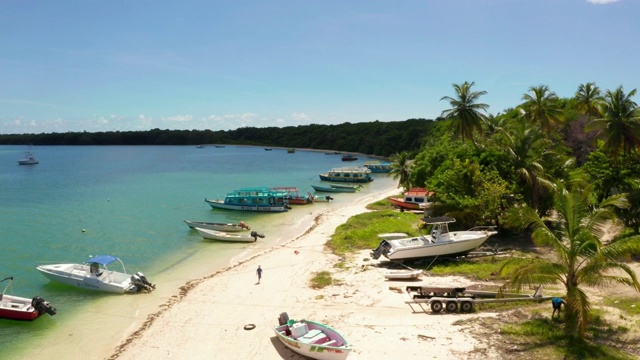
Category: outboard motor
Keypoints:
(140, 281)
(256, 235)
(329, 198)
(381, 249)
(42, 306)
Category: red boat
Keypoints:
(19, 308)
(414, 199)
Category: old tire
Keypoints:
(452, 306)
(436, 306)
(283, 319)
(466, 306)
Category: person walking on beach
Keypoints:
(259, 272)
(557, 303)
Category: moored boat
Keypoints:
(332, 189)
(28, 159)
(414, 199)
(294, 197)
(349, 157)
(233, 237)
(312, 339)
(217, 226)
(322, 198)
(348, 174)
(260, 199)
(21, 308)
(440, 243)
(94, 274)
(378, 166)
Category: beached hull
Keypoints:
(403, 274)
(216, 226)
(400, 203)
(219, 204)
(461, 243)
(320, 342)
(27, 162)
(80, 276)
(223, 236)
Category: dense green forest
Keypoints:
(373, 138)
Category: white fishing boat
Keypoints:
(312, 339)
(217, 226)
(440, 243)
(28, 159)
(233, 237)
(94, 274)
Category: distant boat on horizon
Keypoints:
(28, 159)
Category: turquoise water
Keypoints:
(129, 201)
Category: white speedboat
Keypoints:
(94, 274)
(223, 236)
(217, 226)
(440, 243)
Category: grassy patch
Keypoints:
(627, 305)
(321, 279)
(361, 231)
(487, 268)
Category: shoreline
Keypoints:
(206, 320)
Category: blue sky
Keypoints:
(141, 64)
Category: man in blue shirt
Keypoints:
(557, 303)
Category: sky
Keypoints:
(91, 65)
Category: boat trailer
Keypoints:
(454, 299)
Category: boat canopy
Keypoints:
(102, 259)
(438, 220)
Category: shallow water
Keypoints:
(129, 201)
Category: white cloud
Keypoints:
(179, 118)
(602, 2)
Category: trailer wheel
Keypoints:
(452, 306)
(283, 319)
(466, 306)
(436, 306)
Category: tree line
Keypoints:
(372, 138)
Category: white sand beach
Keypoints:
(197, 313)
(205, 319)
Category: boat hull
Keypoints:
(17, 308)
(400, 203)
(326, 177)
(403, 274)
(310, 346)
(333, 189)
(216, 226)
(421, 247)
(222, 236)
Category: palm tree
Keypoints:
(589, 99)
(465, 113)
(542, 107)
(401, 169)
(580, 258)
(619, 125)
(528, 147)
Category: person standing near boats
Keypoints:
(259, 272)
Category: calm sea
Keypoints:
(130, 201)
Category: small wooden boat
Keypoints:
(349, 157)
(322, 198)
(312, 339)
(345, 186)
(20, 308)
(217, 226)
(94, 274)
(332, 189)
(233, 237)
(403, 274)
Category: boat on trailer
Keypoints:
(440, 243)
(21, 308)
(312, 339)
